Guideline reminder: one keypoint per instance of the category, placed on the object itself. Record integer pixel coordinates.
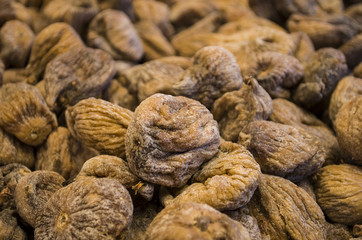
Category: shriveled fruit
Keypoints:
(236, 109)
(152, 77)
(226, 182)
(62, 153)
(10, 175)
(113, 32)
(285, 211)
(100, 125)
(348, 87)
(76, 75)
(33, 191)
(338, 191)
(24, 113)
(9, 226)
(283, 150)
(288, 113)
(214, 72)
(168, 138)
(348, 127)
(53, 40)
(16, 40)
(105, 166)
(194, 221)
(14, 151)
(277, 73)
(321, 75)
(89, 208)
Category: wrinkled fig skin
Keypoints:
(113, 32)
(284, 211)
(306, 7)
(53, 40)
(89, 208)
(100, 125)
(226, 182)
(235, 110)
(213, 73)
(62, 153)
(10, 175)
(9, 227)
(152, 77)
(76, 75)
(194, 221)
(76, 13)
(349, 87)
(33, 191)
(338, 191)
(283, 150)
(288, 113)
(24, 113)
(321, 75)
(277, 73)
(348, 128)
(14, 151)
(168, 138)
(357, 71)
(325, 31)
(16, 39)
(116, 168)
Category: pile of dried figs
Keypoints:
(181, 119)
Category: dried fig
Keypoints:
(348, 127)
(33, 191)
(100, 125)
(89, 208)
(283, 150)
(155, 44)
(349, 87)
(352, 50)
(155, 12)
(9, 226)
(76, 13)
(168, 138)
(234, 110)
(226, 182)
(24, 113)
(324, 31)
(113, 32)
(116, 168)
(63, 154)
(16, 40)
(338, 191)
(53, 40)
(14, 151)
(76, 75)
(277, 73)
(152, 77)
(321, 75)
(10, 175)
(214, 72)
(285, 211)
(194, 221)
(288, 113)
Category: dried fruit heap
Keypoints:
(181, 119)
